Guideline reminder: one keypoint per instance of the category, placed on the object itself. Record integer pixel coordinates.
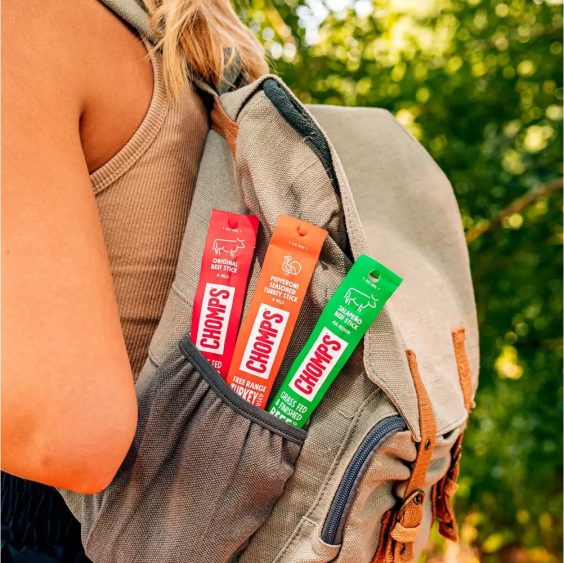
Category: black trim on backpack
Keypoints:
(294, 114)
(301, 123)
(234, 401)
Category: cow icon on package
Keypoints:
(218, 304)
(228, 246)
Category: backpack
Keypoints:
(212, 478)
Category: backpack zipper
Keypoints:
(333, 528)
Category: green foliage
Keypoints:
(479, 83)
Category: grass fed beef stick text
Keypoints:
(288, 266)
(218, 304)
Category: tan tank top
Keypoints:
(143, 195)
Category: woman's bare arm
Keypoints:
(68, 402)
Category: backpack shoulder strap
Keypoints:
(134, 13)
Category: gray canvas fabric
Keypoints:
(210, 478)
(412, 224)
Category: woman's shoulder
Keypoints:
(63, 40)
(87, 61)
(38, 51)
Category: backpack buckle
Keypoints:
(417, 496)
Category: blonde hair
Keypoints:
(202, 38)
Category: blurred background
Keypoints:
(479, 84)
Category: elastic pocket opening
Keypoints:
(236, 402)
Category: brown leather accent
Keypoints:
(444, 490)
(458, 337)
(405, 535)
(401, 526)
(225, 126)
(427, 427)
(434, 503)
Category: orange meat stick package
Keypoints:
(265, 333)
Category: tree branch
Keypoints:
(518, 205)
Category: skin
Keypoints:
(76, 84)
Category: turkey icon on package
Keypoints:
(265, 333)
(218, 304)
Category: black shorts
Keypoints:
(37, 526)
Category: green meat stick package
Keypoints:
(341, 326)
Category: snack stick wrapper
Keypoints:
(341, 326)
(265, 333)
(218, 304)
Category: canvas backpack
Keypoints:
(211, 478)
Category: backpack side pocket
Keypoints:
(204, 471)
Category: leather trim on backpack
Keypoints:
(458, 337)
(444, 490)
(401, 526)
(226, 127)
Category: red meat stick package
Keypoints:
(228, 254)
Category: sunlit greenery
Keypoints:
(479, 83)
